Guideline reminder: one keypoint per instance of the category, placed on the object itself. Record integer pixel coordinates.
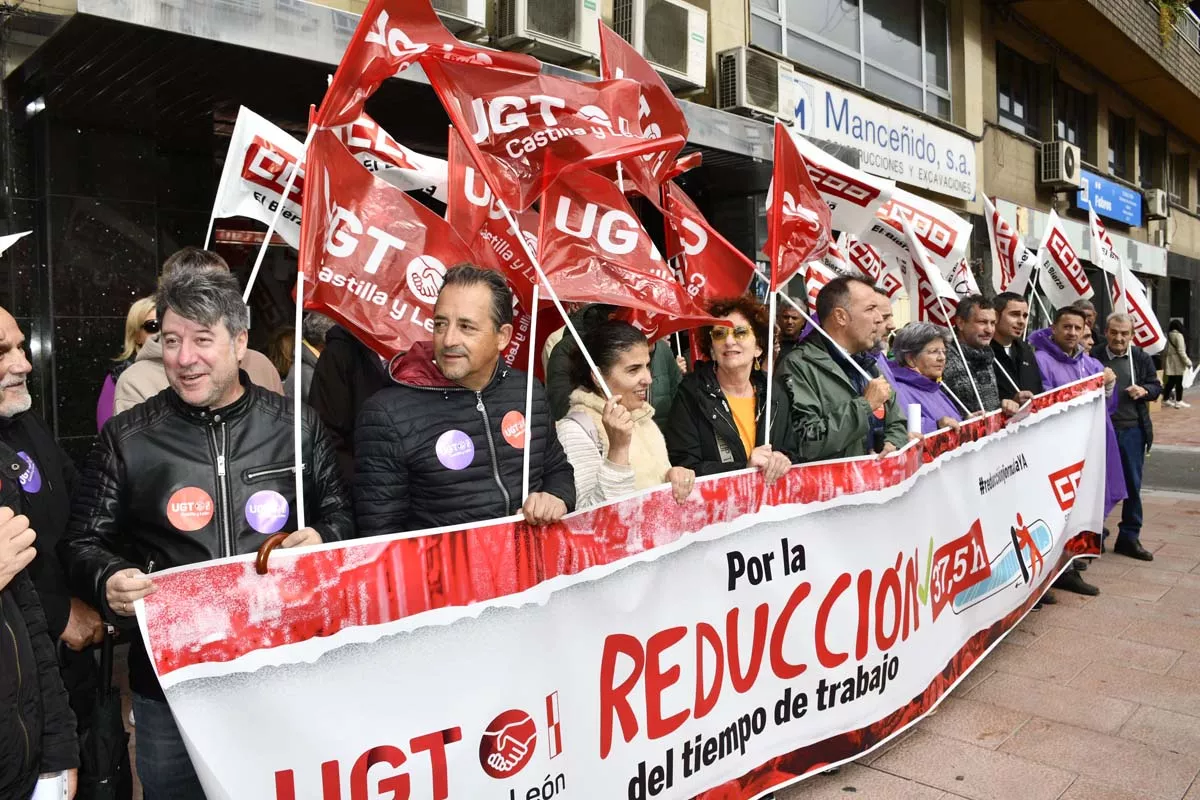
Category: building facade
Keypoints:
(117, 115)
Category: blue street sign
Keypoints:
(1111, 200)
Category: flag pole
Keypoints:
(770, 355)
(823, 332)
(529, 396)
(287, 190)
(954, 397)
(1007, 377)
(963, 355)
(545, 282)
(297, 400)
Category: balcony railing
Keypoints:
(1187, 26)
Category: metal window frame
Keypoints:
(1124, 151)
(1030, 122)
(923, 84)
(1073, 96)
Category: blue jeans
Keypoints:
(163, 765)
(1132, 443)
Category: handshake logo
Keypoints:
(507, 744)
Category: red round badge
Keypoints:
(190, 508)
(507, 744)
(513, 428)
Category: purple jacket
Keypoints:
(885, 368)
(1059, 369)
(913, 387)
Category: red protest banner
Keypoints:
(523, 131)
(593, 250)
(374, 257)
(798, 222)
(473, 213)
(711, 267)
(658, 113)
(391, 36)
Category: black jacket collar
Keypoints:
(234, 410)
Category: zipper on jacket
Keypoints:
(20, 719)
(487, 429)
(262, 473)
(224, 525)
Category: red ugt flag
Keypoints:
(798, 222)
(391, 36)
(658, 112)
(523, 131)
(373, 258)
(712, 267)
(474, 215)
(593, 250)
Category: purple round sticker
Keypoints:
(267, 511)
(455, 450)
(31, 478)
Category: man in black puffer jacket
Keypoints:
(37, 728)
(202, 470)
(445, 445)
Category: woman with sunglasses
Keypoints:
(614, 445)
(140, 324)
(717, 422)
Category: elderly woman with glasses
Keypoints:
(920, 349)
(140, 324)
(717, 422)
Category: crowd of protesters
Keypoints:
(195, 455)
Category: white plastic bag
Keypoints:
(1189, 376)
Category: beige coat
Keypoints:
(146, 377)
(1176, 361)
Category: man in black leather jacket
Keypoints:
(444, 445)
(202, 470)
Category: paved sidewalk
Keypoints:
(1092, 699)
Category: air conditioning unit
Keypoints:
(1060, 165)
(1159, 238)
(558, 31)
(753, 83)
(466, 19)
(671, 34)
(1156, 204)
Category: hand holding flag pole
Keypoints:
(526, 437)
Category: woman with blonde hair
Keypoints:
(140, 324)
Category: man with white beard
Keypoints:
(47, 483)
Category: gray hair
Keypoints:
(913, 337)
(204, 296)
(1084, 305)
(315, 327)
(1117, 316)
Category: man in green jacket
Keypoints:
(836, 411)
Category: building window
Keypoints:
(1150, 161)
(1018, 95)
(897, 48)
(1118, 146)
(1177, 179)
(1072, 118)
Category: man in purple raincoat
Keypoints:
(1062, 360)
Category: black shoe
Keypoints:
(1080, 565)
(1104, 542)
(1072, 581)
(1048, 599)
(1132, 549)
(1037, 606)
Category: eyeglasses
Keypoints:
(740, 334)
(150, 326)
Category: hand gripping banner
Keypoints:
(720, 649)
